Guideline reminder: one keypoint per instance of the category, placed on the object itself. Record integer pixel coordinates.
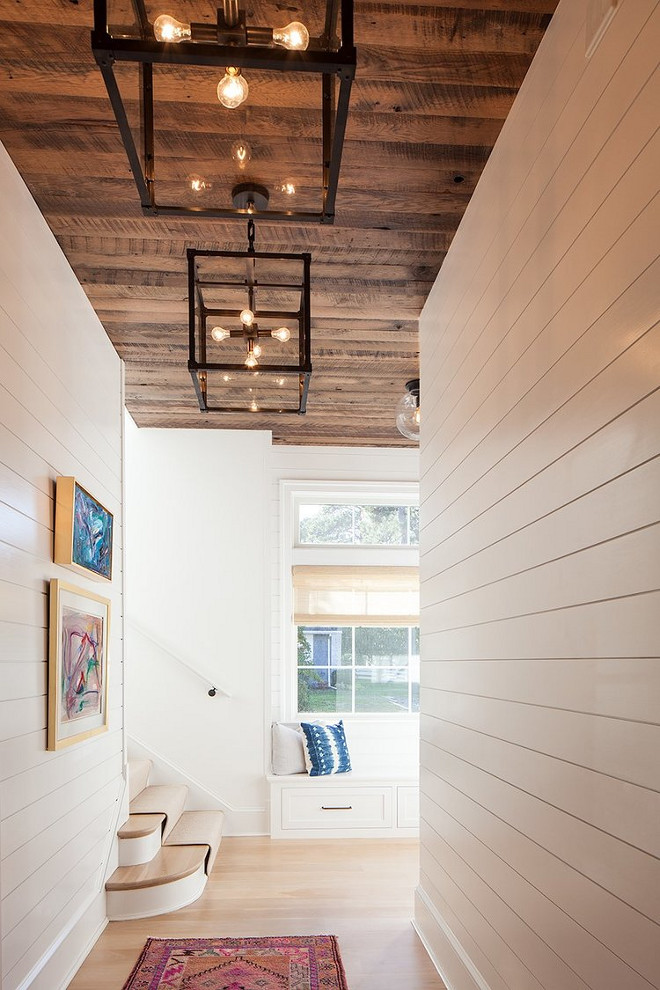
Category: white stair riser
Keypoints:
(132, 852)
(138, 776)
(145, 902)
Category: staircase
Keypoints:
(165, 853)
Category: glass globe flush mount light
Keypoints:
(148, 43)
(408, 413)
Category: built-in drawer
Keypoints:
(334, 808)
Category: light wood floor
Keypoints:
(359, 890)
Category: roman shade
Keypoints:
(351, 596)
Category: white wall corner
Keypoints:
(453, 964)
(57, 967)
(238, 820)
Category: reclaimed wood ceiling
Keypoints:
(434, 84)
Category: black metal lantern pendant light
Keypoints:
(201, 106)
(249, 329)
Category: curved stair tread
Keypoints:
(202, 828)
(170, 864)
(138, 826)
(166, 799)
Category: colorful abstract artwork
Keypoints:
(81, 684)
(83, 530)
(92, 534)
(78, 666)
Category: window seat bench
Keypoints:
(346, 805)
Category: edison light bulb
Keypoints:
(167, 28)
(219, 333)
(294, 36)
(241, 152)
(198, 183)
(282, 334)
(288, 188)
(247, 317)
(251, 361)
(232, 88)
(257, 350)
(253, 406)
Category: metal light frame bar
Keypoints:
(332, 64)
(197, 314)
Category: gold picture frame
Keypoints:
(83, 531)
(79, 630)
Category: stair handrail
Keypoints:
(213, 690)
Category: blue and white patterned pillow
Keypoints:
(326, 751)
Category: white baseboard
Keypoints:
(59, 965)
(84, 952)
(456, 969)
(238, 821)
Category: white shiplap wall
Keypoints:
(540, 565)
(60, 414)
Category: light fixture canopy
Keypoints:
(408, 413)
(249, 330)
(156, 45)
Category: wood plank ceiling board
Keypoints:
(434, 84)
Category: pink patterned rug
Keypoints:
(289, 962)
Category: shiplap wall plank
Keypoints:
(564, 89)
(466, 528)
(627, 155)
(625, 505)
(540, 601)
(61, 412)
(616, 807)
(487, 924)
(501, 969)
(627, 688)
(477, 868)
(620, 869)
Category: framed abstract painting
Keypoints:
(83, 530)
(77, 665)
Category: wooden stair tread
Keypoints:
(167, 799)
(202, 828)
(137, 826)
(170, 864)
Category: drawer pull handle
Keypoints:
(336, 807)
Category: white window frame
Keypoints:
(292, 494)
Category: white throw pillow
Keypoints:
(288, 750)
